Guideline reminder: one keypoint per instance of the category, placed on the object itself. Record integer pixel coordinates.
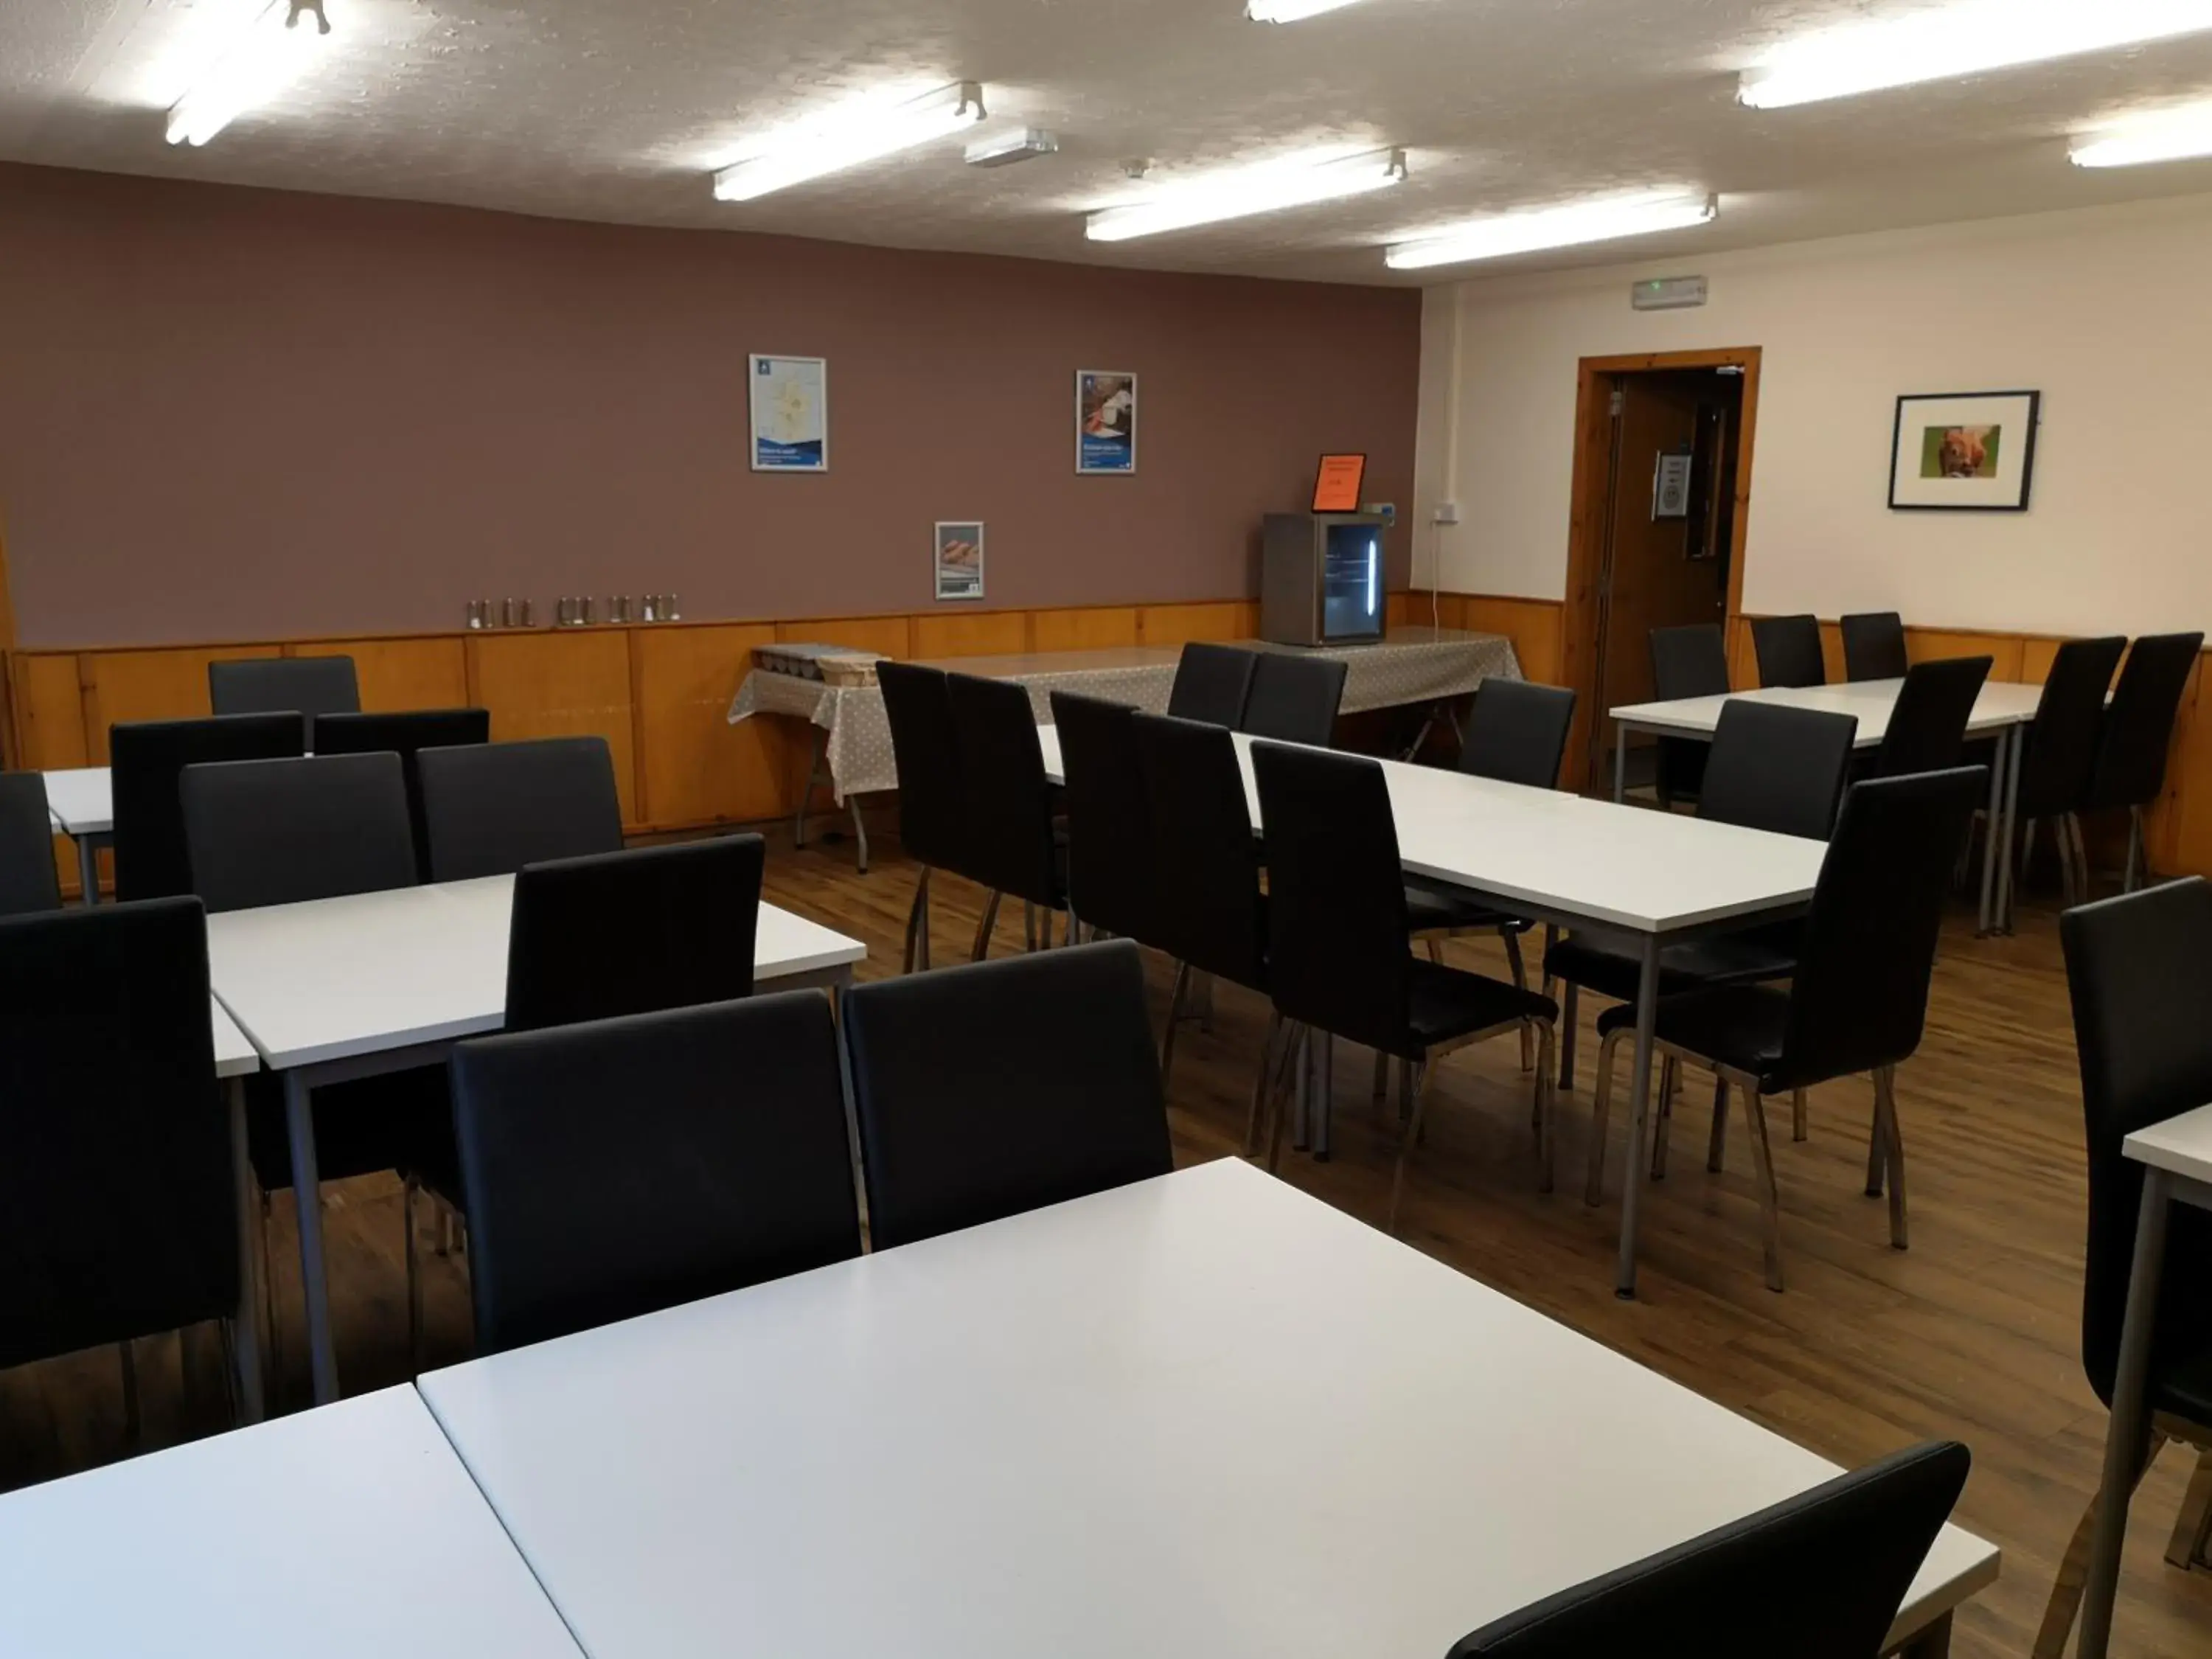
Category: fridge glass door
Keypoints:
(1352, 582)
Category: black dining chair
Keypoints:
(119, 1210)
(985, 1091)
(1874, 645)
(1689, 661)
(622, 1166)
(284, 831)
(1789, 651)
(28, 880)
(1337, 961)
(2129, 774)
(406, 734)
(1858, 1002)
(1110, 822)
(1010, 844)
(1927, 730)
(489, 809)
(308, 686)
(145, 760)
(1209, 912)
(1820, 1575)
(932, 803)
(2060, 759)
(1294, 699)
(2139, 971)
(1211, 684)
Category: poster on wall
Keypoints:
(1971, 452)
(790, 413)
(1105, 422)
(960, 560)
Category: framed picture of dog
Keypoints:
(1964, 452)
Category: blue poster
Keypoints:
(790, 413)
(1105, 422)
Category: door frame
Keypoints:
(1586, 518)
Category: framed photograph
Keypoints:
(1105, 422)
(960, 560)
(790, 413)
(1964, 452)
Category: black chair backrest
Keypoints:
(1109, 821)
(1006, 834)
(2139, 967)
(146, 758)
(405, 734)
(1294, 699)
(118, 1214)
(1211, 684)
(1860, 997)
(490, 808)
(1778, 769)
(985, 1091)
(925, 746)
(2055, 768)
(1927, 730)
(1210, 911)
(1336, 894)
(283, 832)
(1874, 645)
(1820, 1575)
(2130, 768)
(620, 1167)
(29, 881)
(1789, 651)
(276, 685)
(1690, 662)
(1517, 732)
(633, 933)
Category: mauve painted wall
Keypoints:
(228, 413)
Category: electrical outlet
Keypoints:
(1446, 513)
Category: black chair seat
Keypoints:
(1436, 910)
(2185, 1389)
(1445, 1003)
(1748, 958)
(1739, 1026)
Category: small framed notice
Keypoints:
(1336, 486)
(960, 560)
(790, 413)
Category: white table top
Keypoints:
(234, 1056)
(332, 978)
(1621, 866)
(352, 1532)
(81, 801)
(2180, 1146)
(1204, 1414)
(2001, 704)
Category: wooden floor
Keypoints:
(1973, 1334)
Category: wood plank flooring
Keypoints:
(1973, 1334)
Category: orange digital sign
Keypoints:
(1337, 488)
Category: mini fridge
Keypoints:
(1320, 578)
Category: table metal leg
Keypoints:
(307, 1199)
(1993, 839)
(859, 831)
(2011, 764)
(1301, 1098)
(820, 747)
(246, 1327)
(88, 868)
(1324, 1094)
(1639, 1131)
(2125, 1437)
(1620, 763)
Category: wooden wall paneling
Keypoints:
(1179, 624)
(49, 711)
(2180, 833)
(425, 672)
(1832, 652)
(2004, 650)
(694, 767)
(971, 634)
(169, 684)
(1536, 627)
(547, 683)
(1096, 628)
(887, 636)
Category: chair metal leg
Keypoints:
(1798, 1114)
(1670, 1070)
(917, 923)
(1436, 949)
(1175, 1018)
(1547, 1105)
(1520, 979)
(134, 1423)
(2135, 872)
(1893, 1137)
(2066, 1591)
(1569, 1028)
(1770, 1201)
(984, 927)
(2068, 894)
(1382, 1077)
(1322, 1097)
(1716, 1146)
(1418, 1086)
(1594, 1184)
(1260, 1088)
(2192, 1527)
(1877, 1177)
(414, 1278)
(1293, 1058)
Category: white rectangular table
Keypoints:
(376, 982)
(353, 1533)
(81, 801)
(2177, 1160)
(2003, 711)
(1658, 877)
(1202, 1415)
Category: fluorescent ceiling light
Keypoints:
(2171, 137)
(1291, 11)
(1565, 227)
(1243, 190)
(1962, 38)
(1023, 144)
(847, 139)
(270, 54)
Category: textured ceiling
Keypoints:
(618, 109)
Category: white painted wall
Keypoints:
(2105, 311)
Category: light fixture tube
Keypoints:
(1291, 11)
(1245, 190)
(2174, 136)
(811, 150)
(1965, 37)
(1562, 227)
(268, 55)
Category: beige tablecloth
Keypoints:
(1413, 665)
